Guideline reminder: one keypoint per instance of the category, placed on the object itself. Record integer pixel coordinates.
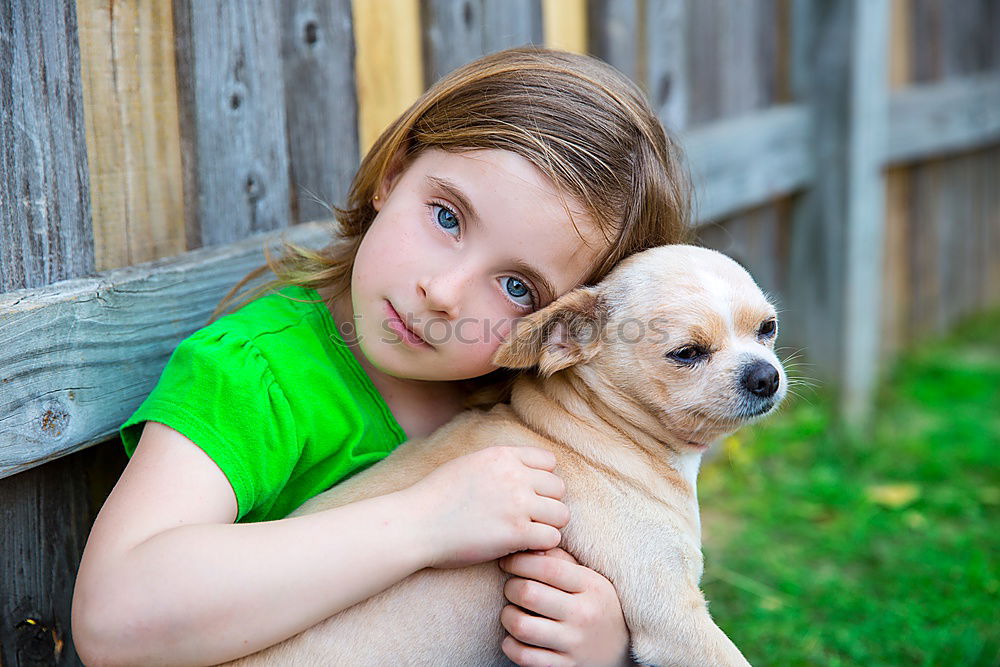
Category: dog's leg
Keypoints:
(656, 577)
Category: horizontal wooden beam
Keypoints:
(936, 119)
(78, 356)
(747, 161)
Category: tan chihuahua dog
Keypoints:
(637, 376)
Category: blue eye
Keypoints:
(518, 289)
(445, 217)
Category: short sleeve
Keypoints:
(218, 391)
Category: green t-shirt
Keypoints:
(275, 397)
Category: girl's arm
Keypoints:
(167, 578)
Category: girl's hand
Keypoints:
(490, 503)
(579, 619)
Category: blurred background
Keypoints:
(846, 151)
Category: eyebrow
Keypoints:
(470, 212)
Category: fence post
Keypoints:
(839, 68)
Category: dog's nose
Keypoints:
(761, 379)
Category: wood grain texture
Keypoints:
(952, 232)
(733, 52)
(819, 73)
(320, 103)
(133, 135)
(933, 120)
(455, 33)
(667, 61)
(47, 513)
(76, 358)
(388, 63)
(896, 275)
(565, 24)
(866, 136)
(614, 35)
(775, 142)
(232, 110)
(45, 220)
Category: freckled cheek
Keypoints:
(478, 340)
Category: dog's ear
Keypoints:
(566, 332)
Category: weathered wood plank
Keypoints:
(838, 224)
(666, 61)
(953, 216)
(452, 35)
(508, 23)
(77, 357)
(455, 33)
(819, 73)
(734, 51)
(320, 103)
(47, 514)
(896, 279)
(388, 63)
(613, 34)
(232, 111)
(565, 24)
(133, 136)
(865, 222)
(935, 119)
(45, 223)
(750, 160)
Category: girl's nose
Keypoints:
(442, 292)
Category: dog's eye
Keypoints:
(688, 354)
(767, 329)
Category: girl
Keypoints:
(508, 183)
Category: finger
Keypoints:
(547, 484)
(551, 570)
(550, 511)
(562, 555)
(533, 630)
(531, 656)
(538, 597)
(541, 536)
(536, 457)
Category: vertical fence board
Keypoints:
(232, 103)
(45, 516)
(565, 24)
(320, 103)
(896, 275)
(865, 221)
(45, 237)
(45, 223)
(953, 222)
(666, 61)
(614, 35)
(742, 41)
(452, 34)
(388, 63)
(819, 63)
(508, 23)
(455, 33)
(133, 143)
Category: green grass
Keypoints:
(823, 549)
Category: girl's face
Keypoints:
(463, 245)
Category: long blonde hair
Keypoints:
(577, 119)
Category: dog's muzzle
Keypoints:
(761, 379)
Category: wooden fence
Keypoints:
(846, 151)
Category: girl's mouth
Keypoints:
(396, 324)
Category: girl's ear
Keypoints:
(566, 332)
(392, 174)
